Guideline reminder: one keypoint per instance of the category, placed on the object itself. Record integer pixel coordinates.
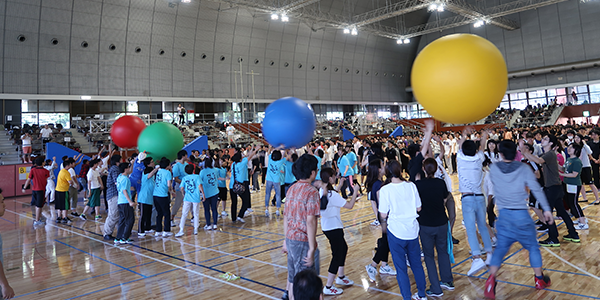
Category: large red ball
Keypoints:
(126, 130)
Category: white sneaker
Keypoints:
(332, 291)
(488, 260)
(173, 223)
(207, 227)
(375, 223)
(247, 213)
(179, 234)
(476, 265)
(387, 270)
(372, 272)
(582, 226)
(195, 231)
(277, 213)
(214, 227)
(141, 234)
(266, 212)
(417, 297)
(343, 281)
(158, 233)
(250, 210)
(151, 231)
(576, 222)
(224, 214)
(494, 242)
(167, 233)
(240, 220)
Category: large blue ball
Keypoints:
(289, 122)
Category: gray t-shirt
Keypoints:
(550, 169)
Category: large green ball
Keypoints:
(161, 140)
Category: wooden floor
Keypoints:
(67, 262)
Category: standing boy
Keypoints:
(95, 187)
(126, 205)
(63, 183)
(112, 194)
(39, 178)
(300, 215)
(162, 190)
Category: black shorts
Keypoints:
(363, 171)
(533, 202)
(38, 198)
(61, 202)
(222, 193)
(586, 175)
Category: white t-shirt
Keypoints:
(230, 129)
(92, 177)
(442, 174)
(470, 172)
(45, 132)
(27, 141)
(330, 217)
(488, 186)
(400, 201)
(585, 159)
(73, 174)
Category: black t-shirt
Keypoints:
(391, 154)
(433, 192)
(373, 193)
(415, 166)
(403, 158)
(595, 148)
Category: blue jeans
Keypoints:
(82, 184)
(400, 249)
(272, 186)
(516, 225)
(473, 210)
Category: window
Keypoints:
(581, 89)
(383, 114)
(132, 106)
(504, 104)
(536, 101)
(595, 88)
(335, 115)
(537, 94)
(55, 118)
(29, 118)
(518, 104)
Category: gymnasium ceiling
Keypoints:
(395, 19)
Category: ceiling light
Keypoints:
(354, 31)
(479, 23)
(346, 31)
(274, 16)
(399, 41)
(440, 8)
(284, 18)
(85, 97)
(433, 6)
(186, 1)
(406, 41)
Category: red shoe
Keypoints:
(541, 284)
(490, 287)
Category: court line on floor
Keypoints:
(163, 262)
(7, 220)
(552, 270)
(572, 265)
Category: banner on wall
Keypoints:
(24, 172)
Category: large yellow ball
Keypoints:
(459, 78)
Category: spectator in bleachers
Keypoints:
(46, 134)
(26, 139)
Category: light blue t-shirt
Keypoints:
(289, 176)
(123, 184)
(222, 174)
(241, 172)
(274, 169)
(145, 193)
(351, 160)
(342, 164)
(208, 178)
(179, 171)
(190, 185)
(161, 186)
(318, 167)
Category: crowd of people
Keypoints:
(407, 179)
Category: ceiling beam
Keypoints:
(297, 5)
(388, 11)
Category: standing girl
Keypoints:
(332, 226)
(346, 171)
(192, 195)
(163, 188)
(399, 204)
(208, 179)
(222, 172)
(145, 199)
(239, 173)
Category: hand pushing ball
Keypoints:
(459, 78)
(289, 122)
(126, 130)
(161, 140)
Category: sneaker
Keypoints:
(83, 217)
(285, 296)
(266, 212)
(574, 239)
(432, 294)
(108, 237)
(247, 213)
(141, 234)
(58, 220)
(179, 234)
(375, 223)
(447, 285)
(343, 281)
(332, 291)
(490, 287)
(127, 241)
(37, 223)
(543, 228)
(455, 241)
(582, 227)
(549, 243)
(240, 220)
(494, 241)
(538, 223)
(118, 241)
(476, 266)
(173, 223)
(157, 234)
(74, 214)
(151, 231)
(372, 272)
(224, 214)
(98, 217)
(195, 231)
(387, 270)
(488, 259)
(417, 297)
(277, 213)
(582, 200)
(167, 233)
(214, 227)
(541, 284)
(66, 221)
(250, 210)
(207, 227)
(576, 222)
